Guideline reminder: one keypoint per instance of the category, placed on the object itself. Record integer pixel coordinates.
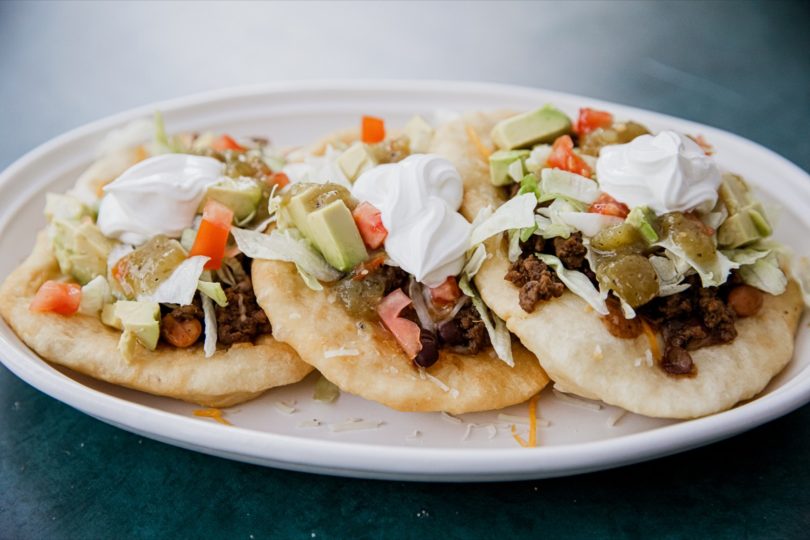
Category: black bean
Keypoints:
(677, 361)
(450, 333)
(430, 349)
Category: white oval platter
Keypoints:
(406, 446)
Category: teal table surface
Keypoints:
(744, 67)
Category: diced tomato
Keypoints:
(406, 332)
(609, 206)
(280, 179)
(218, 214)
(563, 157)
(212, 237)
(57, 297)
(591, 119)
(373, 129)
(447, 293)
(225, 142)
(369, 223)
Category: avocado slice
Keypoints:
(139, 320)
(334, 233)
(80, 249)
(644, 219)
(241, 195)
(355, 161)
(500, 163)
(419, 134)
(741, 229)
(734, 193)
(527, 129)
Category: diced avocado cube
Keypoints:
(529, 184)
(734, 193)
(80, 249)
(644, 219)
(737, 231)
(499, 163)
(355, 161)
(540, 126)
(334, 233)
(757, 214)
(419, 134)
(307, 198)
(241, 195)
(59, 206)
(139, 319)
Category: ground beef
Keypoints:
(695, 318)
(536, 280)
(465, 333)
(242, 320)
(571, 251)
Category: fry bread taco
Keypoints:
(637, 271)
(366, 274)
(134, 281)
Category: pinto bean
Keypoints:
(180, 333)
(745, 300)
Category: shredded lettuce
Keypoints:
(95, 295)
(538, 158)
(309, 280)
(181, 285)
(712, 273)
(210, 320)
(669, 277)
(555, 183)
(800, 269)
(516, 213)
(499, 335)
(515, 250)
(550, 222)
(589, 223)
(474, 261)
(746, 256)
(287, 245)
(213, 291)
(765, 274)
(59, 206)
(231, 272)
(577, 282)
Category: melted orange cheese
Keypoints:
(214, 414)
(652, 339)
(483, 150)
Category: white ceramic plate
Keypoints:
(577, 439)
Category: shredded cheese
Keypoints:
(214, 414)
(491, 431)
(286, 408)
(652, 339)
(517, 438)
(310, 423)
(355, 424)
(452, 419)
(476, 140)
(467, 432)
(533, 421)
(333, 353)
(576, 402)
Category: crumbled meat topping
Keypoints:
(465, 333)
(571, 251)
(536, 280)
(242, 320)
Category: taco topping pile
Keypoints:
(377, 223)
(151, 252)
(645, 228)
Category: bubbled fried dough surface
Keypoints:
(368, 361)
(83, 343)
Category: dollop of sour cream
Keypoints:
(418, 199)
(667, 172)
(159, 195)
